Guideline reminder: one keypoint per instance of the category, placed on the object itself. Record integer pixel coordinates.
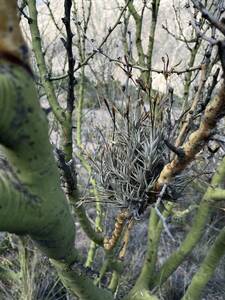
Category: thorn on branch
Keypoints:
(178, 151)
(64, 42)
(221, 52)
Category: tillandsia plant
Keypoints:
(131, 160)
(132, 155)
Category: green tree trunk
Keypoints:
(35, 201)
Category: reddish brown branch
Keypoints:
(110, 243)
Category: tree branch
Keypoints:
(207, 268)
(206, 15)
(213, 113)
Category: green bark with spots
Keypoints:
(138, 33)
(34, 200)
(151, 41)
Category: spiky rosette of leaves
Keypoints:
(131, 160)
(132, 154)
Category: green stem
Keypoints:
(151, 41)
(26, 285)
(188, 75)
(98, 224)
(39, 55)
(186, 247)
(114, 282)
(31, 200)
(142, 294)
(80, 109)
(94, 236)
(195, 233)
(207, 269)
(149, 267)
(67, 137)
(81, 285)
(138, 31)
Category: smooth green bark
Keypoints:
(34, 200)
(148, 270)
(191, 240)
(151, 42)
(85, 289)
(206, 269)
(93, 235)
(114, 282)
(141, 294)
(39, 55)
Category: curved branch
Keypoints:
(206, 269)
(37, 206)
(195, 232)
(213, 113)
(84, 287)
(206, 14)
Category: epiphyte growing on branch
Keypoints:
(131, 159)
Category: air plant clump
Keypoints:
(131, 158)
(131, 165)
